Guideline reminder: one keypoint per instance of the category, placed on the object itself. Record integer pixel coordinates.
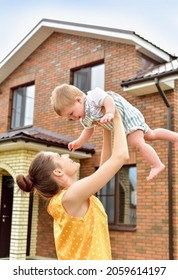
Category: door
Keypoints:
(6, 215)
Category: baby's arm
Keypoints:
(109, 110)
(82, 139)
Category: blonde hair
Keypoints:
(64, 95)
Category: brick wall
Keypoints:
(45, 238)
(50, 65)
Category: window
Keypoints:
(146, 63)
(90, 77)
(119, 198)
(23, 106)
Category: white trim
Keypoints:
(21, 145)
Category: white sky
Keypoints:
(155, 20)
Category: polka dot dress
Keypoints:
(84, 238)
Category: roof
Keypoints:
(161, 70)
(43, 136)
(145, 82)
(46, 27)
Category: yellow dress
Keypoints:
(85, 238)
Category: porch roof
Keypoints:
(43, 136)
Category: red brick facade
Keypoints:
(50, 65)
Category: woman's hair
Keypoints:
(64, 95)
(40, 177)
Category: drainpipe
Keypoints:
(170, 202)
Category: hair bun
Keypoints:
(24, 183)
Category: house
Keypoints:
(142, 215)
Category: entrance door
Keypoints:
(6, 215)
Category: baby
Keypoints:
(98, 107)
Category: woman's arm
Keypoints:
(77, 195)
(107, 146)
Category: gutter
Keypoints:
(170, 200)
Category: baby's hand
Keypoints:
(107, 118)
(74, 145)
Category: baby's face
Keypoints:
(75, 111)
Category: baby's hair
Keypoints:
(40, 177)
(64, 95)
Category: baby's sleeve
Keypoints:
(87, 123)
(97, 96)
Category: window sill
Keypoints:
(122, 228)
(19, 128)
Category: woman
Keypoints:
(80, 222)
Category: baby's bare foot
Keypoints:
(155, 171)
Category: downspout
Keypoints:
(170, 202)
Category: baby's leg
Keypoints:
(136, 140)
(162, 134)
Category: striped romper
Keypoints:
(132, 118)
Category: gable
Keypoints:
(46, 27)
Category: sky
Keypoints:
(154, 20)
